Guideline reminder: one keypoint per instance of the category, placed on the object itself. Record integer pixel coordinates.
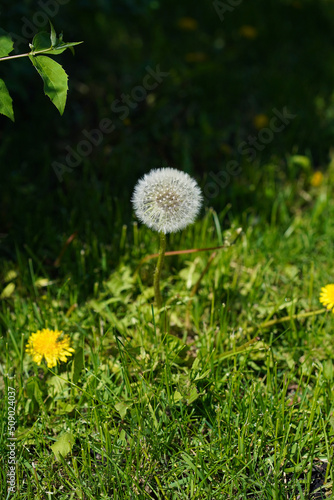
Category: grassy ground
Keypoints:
(233, 400)
(183, 412)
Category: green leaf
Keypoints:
(10, 275)
(192, 394)
(6, 43)
(77, 366)
(200, 376)
(122, 408)
(42, 41)
(177, 396)
(54, 78)
(53, 36)
(60, 47)
(328, 370)
(63, 408)
(301, 161)
(63, 446)
(6, 102)
(57, 385)
(7, 291)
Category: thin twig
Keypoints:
(67, 242)
(189, 250)
(27, 54)
(15, 57)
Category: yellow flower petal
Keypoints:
(187, 23)
(327, 296)
(248, 32)
(196, 56)
(317, 178)
(48, 345)
(260, 121)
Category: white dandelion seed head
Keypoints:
(167, 200)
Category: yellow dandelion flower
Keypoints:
(46, 344)
(225, 148)
(187, 23)
(248, 32)
(196, 56)
(327, 296)
(317, 178)
(260, 121)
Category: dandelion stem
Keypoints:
(285, 318)
(162, 250)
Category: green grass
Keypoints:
(217, 406)
(181, 413)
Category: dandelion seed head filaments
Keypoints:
(167, 200)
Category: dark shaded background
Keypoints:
(221, 76)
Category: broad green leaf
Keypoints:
(42, 41)
(7, 291)
(64, 445)
(122, 408)
(42, 282)
(77, 366)
(6, 102)
(57, 385)
(192, 394)
(63, 407)
(11, 275)
(177, 396)
(300, 160)
(6, 43)
(200, 376)
(54, 78)
(33, 392)
(328, 370)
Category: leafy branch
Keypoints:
(53, 75)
